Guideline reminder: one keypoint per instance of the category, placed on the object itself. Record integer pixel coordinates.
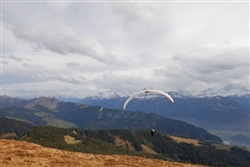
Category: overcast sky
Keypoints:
(79, 49)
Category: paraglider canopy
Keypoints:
(145, 92)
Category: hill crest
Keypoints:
(22, 153)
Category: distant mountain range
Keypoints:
(214, 113)
(219, 109)
(225, 111)
(50, 111)
(229, 90)
(224, 91)
(211, 109)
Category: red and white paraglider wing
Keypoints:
(163, 93)
(131, 97)
(147, 91)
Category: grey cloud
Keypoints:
(136, 16)
(170, 72)
(9, 78)
(65, 43)
(126, 43)
(209, 61)
(26, 59)
(72, 64)
(228, 65)
(74, 79)
(15, 58)
(121, 82)
(43, 30)
(31, 76)
(25, 64)
(5, 62)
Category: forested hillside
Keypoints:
(133, 142)
(128, 142)
(14, 128)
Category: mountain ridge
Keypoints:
(215, 114)
(224, 91)
(90, 117)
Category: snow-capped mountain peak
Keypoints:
(108, 95)
(228, 90)
(180, 93)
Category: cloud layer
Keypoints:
(83, 48)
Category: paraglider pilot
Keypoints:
(152, 132)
